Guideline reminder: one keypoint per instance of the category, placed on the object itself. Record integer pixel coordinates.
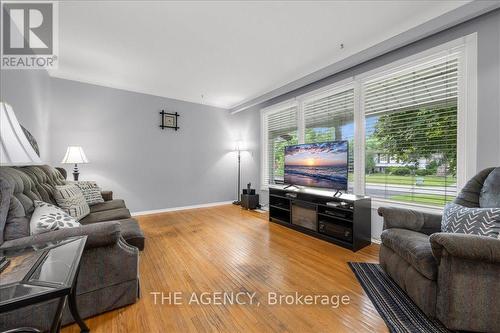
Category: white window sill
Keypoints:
(378, 202)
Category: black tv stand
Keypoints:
(335, 217)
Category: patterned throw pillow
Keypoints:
(91, 191)
(70, 198)
(47, 217)
(477, 221)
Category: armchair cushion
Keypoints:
(100, 234)
(470, 193)
(426, 223)
(470, 247)
(490, 193)
(414, 247)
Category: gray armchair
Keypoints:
(452, 277)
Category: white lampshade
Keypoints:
(239, 146)
(15, 148)
(75, 155)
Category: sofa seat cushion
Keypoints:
(106, 215)
(107, 205)
(132, 233)
(414, 248)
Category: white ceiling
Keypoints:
(229, 52)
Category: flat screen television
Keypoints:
(323, 164)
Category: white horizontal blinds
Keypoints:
(280, 131)
(411, 133)
(432, 84)
(329, 117)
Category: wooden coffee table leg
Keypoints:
(74, 309)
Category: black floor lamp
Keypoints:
(238, 148)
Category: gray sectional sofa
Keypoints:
(109, 273)
(450, 276)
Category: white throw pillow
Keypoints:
(70, 198)
(476, 221)
(91, 191)
(47, 217)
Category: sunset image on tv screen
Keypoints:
(317, 165)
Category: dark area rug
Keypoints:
(399, 312)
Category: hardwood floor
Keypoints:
(226, 249)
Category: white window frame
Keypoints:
(466, 47)
(264, 163)
(332, 89)
(298, 101)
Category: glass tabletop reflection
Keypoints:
(40, 269)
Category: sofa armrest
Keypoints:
(99, 234)
(470, 247)
(107, 195)
(426, 223)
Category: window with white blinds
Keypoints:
(330, 117)
(411, 133)
(401, 121)
(279, 126)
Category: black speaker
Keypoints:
(249, 201)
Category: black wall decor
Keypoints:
(169, 120)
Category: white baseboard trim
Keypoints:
(173, 209)
(376, 241)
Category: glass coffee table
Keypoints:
(39, 273)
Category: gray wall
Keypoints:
(488, 140)
(27, 92)
(129, 154)
(247, 127)
(150, 168)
